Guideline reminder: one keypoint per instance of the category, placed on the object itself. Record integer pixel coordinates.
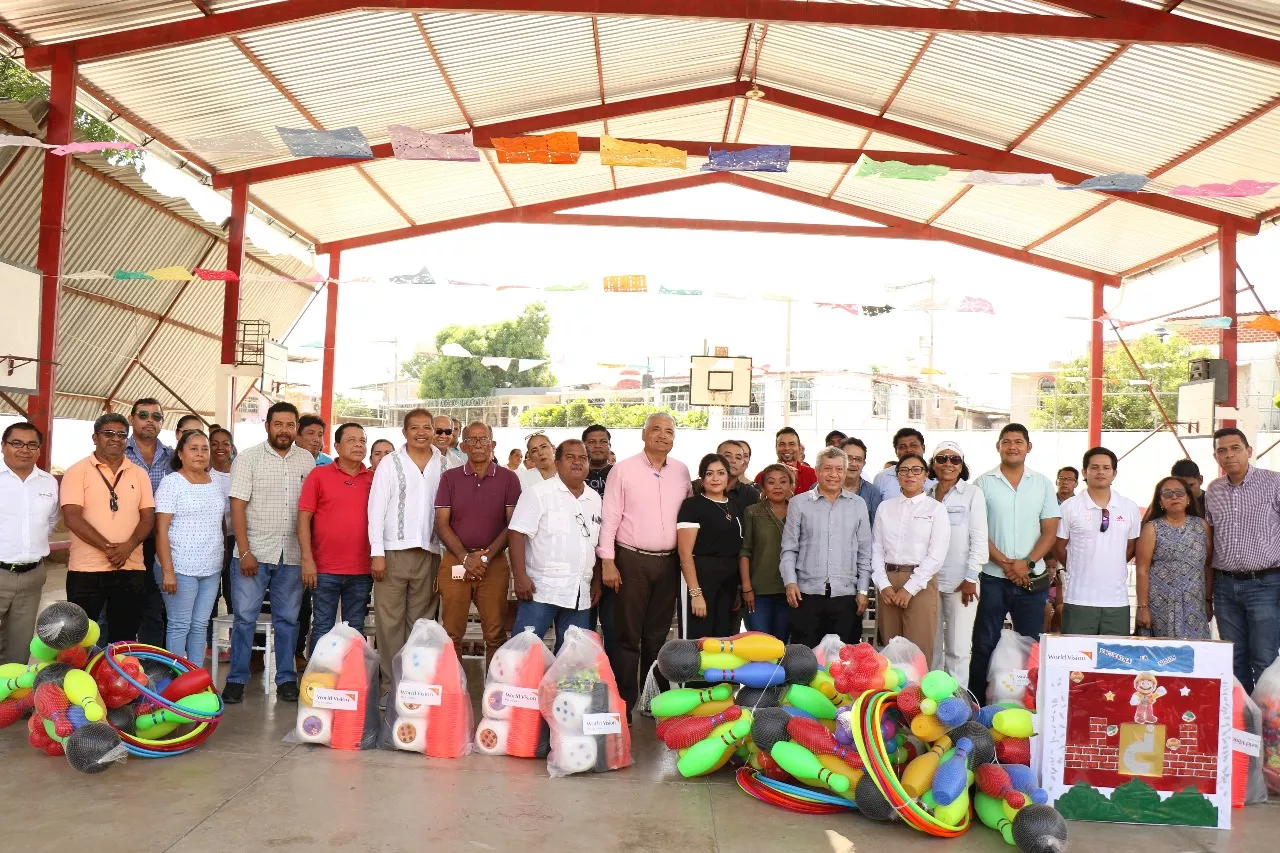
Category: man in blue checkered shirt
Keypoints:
(145, 450)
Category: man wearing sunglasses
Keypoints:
(145, 450)
(1097, 537)
(28, 514)
(109, 508)
(442, 438)
(552, 543)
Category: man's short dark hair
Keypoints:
(745, 445)
(1227, 432)
(1100, 451)
(786, 431)
(733, 441)
(578, 441)
(282, 407)
(1015, 427)
(907, 432)
(337, 436)
(1074, 472)
(417, 413)
(310, 421)
(23, 425)
(856, 442)
(145, 401)
(835, 433)
(112, 418)
(182, 420)
(1184, 468)
(593, 428)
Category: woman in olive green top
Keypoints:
(762, 589)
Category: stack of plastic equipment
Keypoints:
(579, 699)
(428, 710)
(511, 721)
(1266, 695)
(338, 701)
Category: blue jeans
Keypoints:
(285, 583)
(542, 616)
(996, 597)
(772, 616)
(1248, 614)
(352, 590)
(188, 611)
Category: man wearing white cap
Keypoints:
(967, 552)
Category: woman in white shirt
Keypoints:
(966, 554)
(908, 544)
(189, 508)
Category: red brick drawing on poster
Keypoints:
(1160, 728)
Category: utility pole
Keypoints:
(786, 367)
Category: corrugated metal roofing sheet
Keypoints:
(916, 200)
(1261, 17)
(531, 183)
(1122, 236)
(1251, 152)
(332, 204)
(770, 124)
(430, 191)
(817, 178)
(698, 122)
(60, 20)
(645, 56)
(1014, 218)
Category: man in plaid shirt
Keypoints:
(1243, 508)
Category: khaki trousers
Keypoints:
(490, 597)
(918, 622)
(405, 595)
(19, 606)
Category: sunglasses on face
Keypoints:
(155, 416)
(444, 431)
(1172, 493)
(112, 435)
(947, 460)
(534, 433)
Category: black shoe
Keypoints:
(232, 693)
(287, 692)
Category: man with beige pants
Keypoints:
(28, 514)
(402, 538)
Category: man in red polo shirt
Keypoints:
(333, 533)
(473, 506)
(790, 453)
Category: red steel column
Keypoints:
(1227, 296)
(330, 350)
(53, 214)
(235, 263)
(1095, 367)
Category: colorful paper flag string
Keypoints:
(422, 276)
(876, 310)
(619, 152)
(90, 147)
(410, 144)
(1265, 322)
(666, 291)
(1118, 182)
(568, 288)
(467, 283)
(1009, 179)
(626, 284)
(8, 141)
(974, 305)
(500, 362)
(557, 148)
(761, 158)
(243, 142)
(131, 275)
(213, 275)
(342, 142)
(174, 273)
(1216, 322)
(456, 351)
(841, 306)
(868, 168)
(1242, 188)
(88, 275)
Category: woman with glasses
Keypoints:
(708, 540)
(190, 506)
(1175, 593)
(763, 592)
(909, 543)
(967, 553)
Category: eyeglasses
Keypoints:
(1172, 493)
(942, 459)
(112, 435)
(1106, 521)
(23, 445)
(474, 441)
(582, 523)
(911, 470)
(144, 415)
(444, 431)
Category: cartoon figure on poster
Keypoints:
(1146, 690)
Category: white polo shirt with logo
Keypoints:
(1097, 564)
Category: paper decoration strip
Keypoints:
(342, 142)
(868, 168)
(1120, 182)
(502, 287)
(841, 306)
(1265, 322)
(568, 288)
(678, 292)
(876, 310)
(244, 142)
(8, 141)
(1216, 322)
(619, 152)
(213, 275)
(174, 273)
(422, 276)
(626, 284)
(89, 147)
(761, 158)
(974, 305)
(467, 283)
(496, 361)
(128, 275)
(1009, 179)
(455, 350)
(1242, 188)
(558, 148)
(88, 275)
(410, 144)
(530, 363)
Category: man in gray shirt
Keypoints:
(826, 556)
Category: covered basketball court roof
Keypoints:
(1181, 91)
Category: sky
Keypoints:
(1031, 326)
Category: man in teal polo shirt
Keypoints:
(1022, 515)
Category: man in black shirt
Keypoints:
(740, 494)
(597, 439)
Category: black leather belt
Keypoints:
(19, 568)
(1248, 576)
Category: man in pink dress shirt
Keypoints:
(638, 551)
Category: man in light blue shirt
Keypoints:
(145, 450)
(856, 452)
(1022, 514)
(905, 440)
(826, 556)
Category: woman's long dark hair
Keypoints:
(175, 464)
(1155, 510)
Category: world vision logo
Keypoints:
(1080, 658)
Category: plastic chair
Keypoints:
(222, 639)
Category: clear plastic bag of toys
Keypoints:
(428, 708)
(580, 702)
(1266, 696)
(1007, 673)
(338, 693)
(511, 719)
(1247, 718)
(828, 649)
(906, 655)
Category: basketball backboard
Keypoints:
(275, 364)
(1195, 408)
(19, 328)
(720, 381)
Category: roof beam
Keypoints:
(133, 309)
(1002, 160)
(483, 134)
(1123, 23)
(525, 217)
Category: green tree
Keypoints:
(413, 367)
(1124, 405)
(580, 413)
(345, 408)
(523, 337)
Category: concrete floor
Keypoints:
(245, 789)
